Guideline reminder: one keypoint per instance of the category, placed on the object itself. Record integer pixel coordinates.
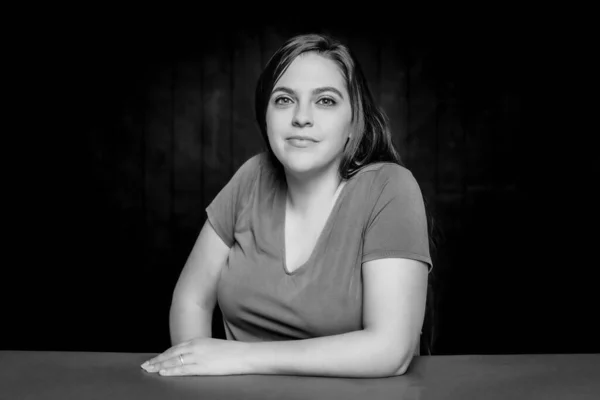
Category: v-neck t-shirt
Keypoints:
(379, 213)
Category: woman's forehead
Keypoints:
(312, 70)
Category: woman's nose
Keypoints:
(302, 116)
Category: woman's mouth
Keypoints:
(301, 143)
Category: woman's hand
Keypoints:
(200, 356)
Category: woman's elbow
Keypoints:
(400, 368)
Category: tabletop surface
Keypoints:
(91, 375)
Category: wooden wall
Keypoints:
(163, 127)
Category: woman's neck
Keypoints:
(305, 196)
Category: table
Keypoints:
(115, 376)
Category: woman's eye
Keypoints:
(326, 101)
(283, 100)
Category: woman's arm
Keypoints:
(195, 294)
(393, 310)
(394, 297)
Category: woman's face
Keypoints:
(310, 100)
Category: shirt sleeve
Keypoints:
(222, 212)
(397, 225)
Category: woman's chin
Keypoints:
(305, 166)
(300, 167)
(304, 162)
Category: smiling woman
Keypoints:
(309, 109)
(316, 250)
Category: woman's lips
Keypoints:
(301, 143)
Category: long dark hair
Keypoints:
(371, 140)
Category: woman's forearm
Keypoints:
(358, 354)
(188, 321)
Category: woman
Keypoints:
(317, 249)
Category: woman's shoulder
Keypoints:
(250, 169)
(385, 171)
(246, 174)
(387, 179)
(253, 163)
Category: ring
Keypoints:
(181, 359)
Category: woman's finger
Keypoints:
(168, 354)
(177, 361)
(188, 369)
(178, 371)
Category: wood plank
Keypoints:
(158, 138)
(217, 121)
(247, 140)
(131, 170)
(422, 104)
(188, 214)
(394, 90)
(129, 252)
(476, 110)
(505, 125)
(450, 130)
(478, 149)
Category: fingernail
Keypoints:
(145, 364)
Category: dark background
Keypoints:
(125, 136)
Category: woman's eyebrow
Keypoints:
(315, 91)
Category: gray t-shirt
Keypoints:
(379, 213)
